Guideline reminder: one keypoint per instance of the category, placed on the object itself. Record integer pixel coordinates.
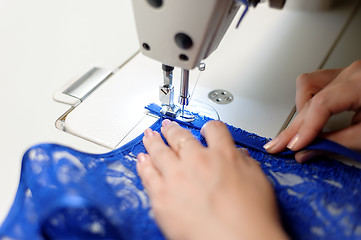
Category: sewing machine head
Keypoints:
(182, 33)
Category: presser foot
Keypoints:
(170, 111)
(195, 108)
(177, 113)
(186, 116)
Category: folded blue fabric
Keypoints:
(66, 194)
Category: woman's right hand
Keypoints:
(320, 95)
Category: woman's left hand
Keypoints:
(214, 192)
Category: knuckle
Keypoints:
(201, 160)
(170, 131)
(356, 64)
(229, 155)
(200, 157)
(218, 124)
(176, 132)
(201, 153)
(304, 80)
(319, 101)
(215, 124)
(178, 175)
(233, 154)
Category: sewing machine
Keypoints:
(182, 34)
(247, 78)
(95, 45)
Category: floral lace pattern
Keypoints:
(66, 194)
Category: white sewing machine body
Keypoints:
(45, 46)
(186, 29)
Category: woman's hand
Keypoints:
(214, 192)
(319, 96)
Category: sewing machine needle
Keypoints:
(184, 94)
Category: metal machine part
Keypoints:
(184, 85)
(221, 96)
(184, 96)
(166, 93)
(77, 90)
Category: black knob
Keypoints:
(155, 3)
(183, 41)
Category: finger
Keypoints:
(162, 156)
(317, 111)
(179, 139)
(218, 136)
(280, 143)
(150, 176)
(356, 118)
(305, 90)
(348, 137)
(245, 156)
(309, 84)
(322, 107)
(306, 155)
(309, 123)
(244, 151)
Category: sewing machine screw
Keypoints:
(146, 46)
(155, 3)
(202, 66)
(220, 96)
(183, 57)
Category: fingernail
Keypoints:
(293, 142)
(306, 155)
(148, 133)
(245, 151)
(203, 129)
(166, 122)
(141, 157)
(271, 144)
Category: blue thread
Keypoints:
(66, 194)
(245, 2)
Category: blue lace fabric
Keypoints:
(67, 194)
